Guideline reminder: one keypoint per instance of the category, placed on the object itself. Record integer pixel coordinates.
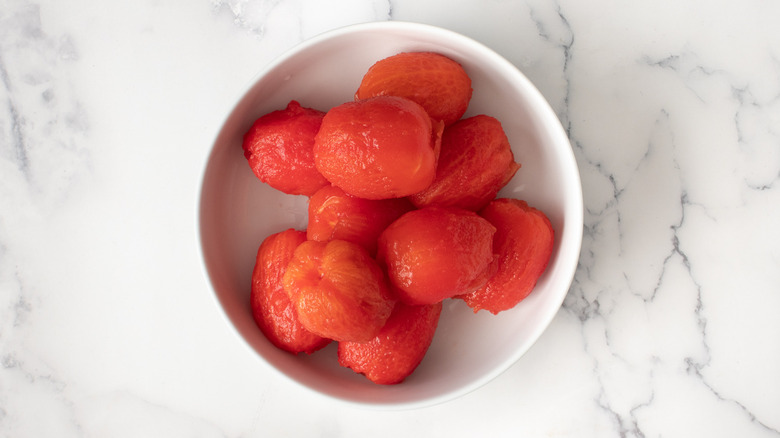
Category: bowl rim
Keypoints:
(552, 125)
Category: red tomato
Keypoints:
(476, 161)
(434, 81)
(378, 148)
(279, 148)
(338, 290)
(334, 214)
(524, 243)
(435, 253)
(271, 307)
(398, 349)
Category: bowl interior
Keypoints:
(237, 211)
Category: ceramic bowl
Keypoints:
(237, 211)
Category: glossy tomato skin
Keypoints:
(338, 290)
(335, 214)
(524, 243)
(378, 148)
(476, 161)
(279, 148)
(272, 309)
(435, 81)
(435, 253)
(393, 354)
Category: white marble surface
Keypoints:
(107, 324)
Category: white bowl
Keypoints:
(237, 211)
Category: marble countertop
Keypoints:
(108, 326)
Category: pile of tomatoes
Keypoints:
(402, 215)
